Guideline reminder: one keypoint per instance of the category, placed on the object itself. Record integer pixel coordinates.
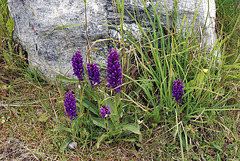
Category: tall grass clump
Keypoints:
(7, 46)
(228, 22)
(6, 23)
(6, 29)
(166, 55)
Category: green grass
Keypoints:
(204, 127)
(228, 22)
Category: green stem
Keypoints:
(88, 46)
(116, 103)
(105, 120)
(179, 131)
(81, 96)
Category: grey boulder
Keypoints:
(50, 47)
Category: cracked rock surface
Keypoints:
(50, 48)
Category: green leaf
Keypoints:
(90, 106)
(200, 78)
(7, 58)
(6, 87)
(117, 99)
(156, 114)
(76, 124)
(100, 140)
(43, 118)
(68, 80)
(132, 127)
(1, 20)
(62, 128)
(235, 66)
(129, 140)
(93, 94)
(67, 26)
(65, 143)
(100, 122)
(217, 147)
(10, 26)
(191, 83)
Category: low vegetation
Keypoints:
(175, 101)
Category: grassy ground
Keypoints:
(31, 108)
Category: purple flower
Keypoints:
(93, 74)
(114, 70)
(177, 90)
(70, 105)
(105, 110)
(77, 63)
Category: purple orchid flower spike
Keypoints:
(104, 110)
(70, 105)
(177, 90)
(93, 74)
(77, 64)
(114, 71)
